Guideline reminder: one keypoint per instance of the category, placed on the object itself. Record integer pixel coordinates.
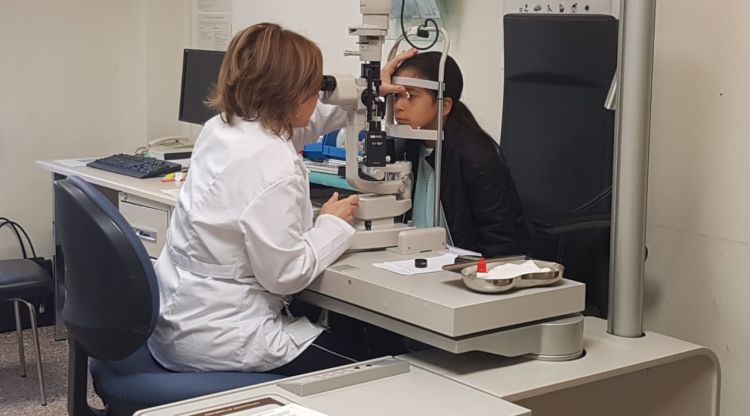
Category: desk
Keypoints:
(448, 315)
(150, 189)
(438, 310)
(653, 375)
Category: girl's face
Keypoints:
(417, 107)
(305, 111)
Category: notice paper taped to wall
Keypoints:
(213, 24)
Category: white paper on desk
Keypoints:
(510, 270)
(75, 163)
(407, 268)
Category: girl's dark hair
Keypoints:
(427, 65)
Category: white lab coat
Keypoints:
(241, 238)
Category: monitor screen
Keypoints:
(200, 70)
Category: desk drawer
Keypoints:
(149, 220)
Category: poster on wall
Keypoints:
(213, 28)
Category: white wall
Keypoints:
(323, 22)
(78, 78)
(168, 33)
(699, 185)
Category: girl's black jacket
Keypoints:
(477, 192)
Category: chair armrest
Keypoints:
(583, 222)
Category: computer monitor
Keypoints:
(200, 71)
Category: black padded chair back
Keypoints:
(558, 138)
(112, 302)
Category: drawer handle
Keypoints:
(145, 235)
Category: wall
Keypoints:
(324, 25)
(79, 78)
(698, 226)
(167, 32)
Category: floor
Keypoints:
(19, 396)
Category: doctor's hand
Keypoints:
(342, 208)
(389, 69)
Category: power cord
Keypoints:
(421, 32)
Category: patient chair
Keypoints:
(558, 139)
(110, 310)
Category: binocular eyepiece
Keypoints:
(328, 84)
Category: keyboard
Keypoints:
(136, 166)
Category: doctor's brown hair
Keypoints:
(267, 72)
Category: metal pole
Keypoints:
(436, 221)
(630, 174)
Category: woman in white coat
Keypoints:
(242, 236)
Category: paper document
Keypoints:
(214, 31)
(75, 163)
(407, 268)
(510, 270)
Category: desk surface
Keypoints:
(440, 302)
(150, 188)
(516, 379)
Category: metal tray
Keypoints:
(470, 279)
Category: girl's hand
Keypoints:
(344, 208)
(389, 69)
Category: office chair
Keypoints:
(558, 139)
(21, 279)
(111, 308)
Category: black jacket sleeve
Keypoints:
(494, 204)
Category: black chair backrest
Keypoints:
(556, 134)
(111, 293)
